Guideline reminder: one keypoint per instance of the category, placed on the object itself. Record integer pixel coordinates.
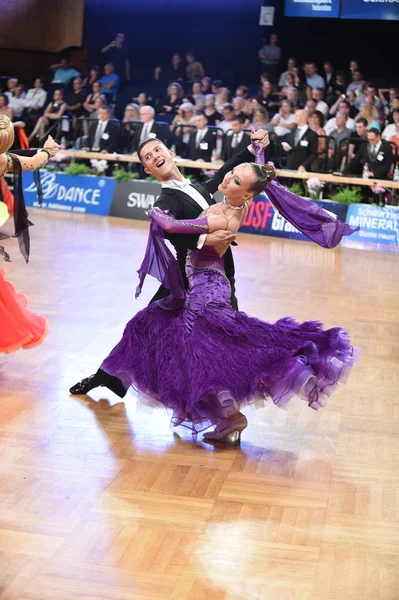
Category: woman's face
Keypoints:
(142, 98)
(237, 184)
(38, 83)
(174, 90)
(93, 72)
(2, 102)
(98, 103)
(314, 122)
(96, 87)
(290, 79)
(57, 96)
(209, 101)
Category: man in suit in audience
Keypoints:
(201, 142)
(301, 144)
(377, 153)
(103, 134)
(148, 128)
(237, 141)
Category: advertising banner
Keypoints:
(379, 228)
(85, 194)
(132, 198)
(386, 10)
(312, 8)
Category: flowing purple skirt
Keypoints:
(192, 358)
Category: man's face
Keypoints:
(267, 88)
(373, 138)
(120, 38)
(237, 104)
(343, 108)
(286, 107)
(77, 85)
(361, 129)
(176, 60)
(317, 95)
(292, 96)
(311, 106)
(108, 69)
(38, 83)
(200, 122)
(236, 126)
(273, 39)
(146, 115)
(300, 118)
(157, 160)
(12, 84)
(98, 103)
(291, 64)
(340, 119)
(327, 67)
(103, 114)
(357, 76)
(196, 88)
(228, 114)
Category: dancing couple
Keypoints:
(19, 328)
(190, 350)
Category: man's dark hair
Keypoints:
(238, 118)
(147, 142)
(5, 98)
(375, 130)
(345, 102)
(395, 110)
(217, 83)
(364, 121)
(228, 106)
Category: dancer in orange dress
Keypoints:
(19, 328)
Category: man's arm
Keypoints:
(355, 161)
(313, 139)
(381, 168)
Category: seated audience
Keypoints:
(357, 82)
(75, 100)
(368, 90)
(301, 144)
(132, 113)
(104, 134)
(11, 87)
(36, 97)
(390, 129)
(237, 141)
(110, 82)
(17, 102)
(290, 86)
(142, 99)
(53, 112)
(242, 92)
(291, 64)
(318, 97)
(222, 98)
(194, 69)
(386, 97)
(216, 86)
(358, 137)
(174, 98)
(395, 138)
(173, 72)
(316, 123)
(261, 119)
(148, 129)
(238, 106)
(214, 117)
(377, 154)
(337, 87)
(228, 116)
(284, 121)
(310, 106)
(340, 135)
(268, 99)
(201, 142)
(4, 108)
(89, 103)
(94, 75)
(185, 116)
(395, 106)
(313, 79)
(292, 96)
(198, 96)
(206, 85)
(331, 124)
(329, 76)
(369, 113)
(63, 73)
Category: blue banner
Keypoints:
(387, 10)
(264, 220)
(379, 228)
(312, 8)
(87, 194)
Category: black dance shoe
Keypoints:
(99, 379)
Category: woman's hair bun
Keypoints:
(269, 171)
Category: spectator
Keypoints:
(36, 97)
(117, 55)
(132, 113)
(89, 103)
(369, 113)
(386, 103)
(270, 56)
(377, 154)
(318, 97)
(104, 134)
(316, 123)
(331, 124)
(310, 107)
(213, 116)
(194, 69)
(94, 75)
(395, 105)
(242, 92)
(206, 85)
(312, 78)
(222, 98)
(249, 108)
(369, 89)
(63, 73)
(110, 82)
(173, 100)
(129, 129)
(11, 85)
(53, 112)
(198, 96)
(357, 82)
(142, 99)
(99, 102)
(290, 85)
(237, 141)
(351, 99)
(338, 87)
(395, 138)
(390, 129)
(292, 96)
(328, 74)
(201, 142)
(174, 72)
(185, 116)
(291, 64)
(261, 120)
(268, 99)
(264, 77)
(228, 116)
(238, 105)
(340, 135)
(149, 128)
(301, 144)
(357, 138)
(216, 87)
(4, 108)
(284, 121)
(17, 102)
(75, 101)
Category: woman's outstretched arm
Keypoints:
(207, 224)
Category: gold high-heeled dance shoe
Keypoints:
(231, 435)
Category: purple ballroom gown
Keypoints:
(195, 355)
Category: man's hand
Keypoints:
(301, 169)
(261, 137)
(220, 240)
(286, 147)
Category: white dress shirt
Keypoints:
(389, 132)
(279, 129)
(201, 133)
(36, 97)
(300, 132)
(101, 127)
(322, 107)
(145, 132)
(17, 105)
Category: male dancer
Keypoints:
(183, 200)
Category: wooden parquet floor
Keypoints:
(99, 500)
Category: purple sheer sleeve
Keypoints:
(160, 263)
(172, 225)
(309, 218)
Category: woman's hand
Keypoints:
(51, 145)
(261, 137)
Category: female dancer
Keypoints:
(20, 328)
(194, 354)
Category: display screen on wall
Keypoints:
(312, 8)
(383, 10)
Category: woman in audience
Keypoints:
(213, 116)
(185, 116)
(370, 113)
(316, 123)
(173, 100)
(90, 104)
(129, 129)
(4, 108)
(261, 120)
(290, 78)
(284, 121)
(94, 76)
(222, 98)
(142, 100)
(53, 112)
